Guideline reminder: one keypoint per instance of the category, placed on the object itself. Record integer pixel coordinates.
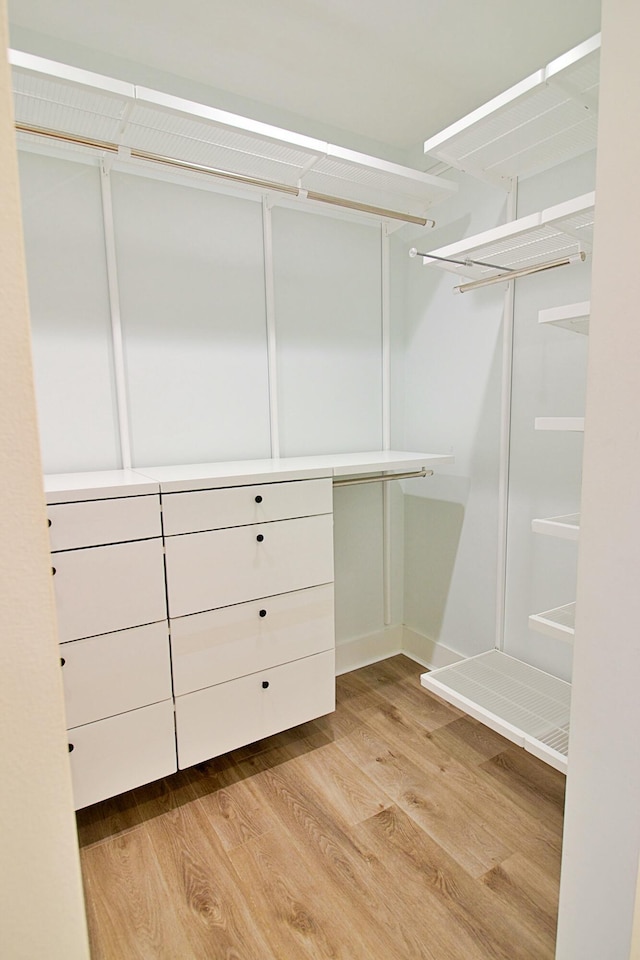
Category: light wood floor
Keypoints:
(396, 828)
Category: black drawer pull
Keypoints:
(71, 748)
(263, 613)
(260, 537)
(48, 521)
(258, 499)
(53, 571)
(265, 684)
(62, 661)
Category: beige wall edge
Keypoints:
(602, 824)
(42, 910)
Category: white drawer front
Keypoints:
(220, 645)
(95, 522)
(121, 753)
(237, 506)
(102, 589)
(115, 672)
(223, 567)
(213, 721)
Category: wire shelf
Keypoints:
(524, 704)
(548, 117)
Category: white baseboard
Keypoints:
(361, 651)
(429, 653)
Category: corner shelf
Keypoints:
(548, 117)
(565, 528)
(569, 424)
(524, 704)
(559, 231)
(558, 623)
(573, 316)
(133, 121)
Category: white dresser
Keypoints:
(107, 563)
(250, 588)
(195, 608)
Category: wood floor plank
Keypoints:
(108, 819)
(528, 889)
(529, 781)
(130, 910)
(217, 919)
(344, 789)
(237, 813)
(300, 919)
(469, 741)
(464, 919)
(519, 827)
(448, 819)
(350, 875)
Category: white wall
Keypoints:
(448, 388)
(41, 908)
(192, 299)
(327, 276)
(68, 292)
(602, 825)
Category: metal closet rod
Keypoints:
(525, 272)
(463, 263)
(508, 272)
(226, 175)
(383, 478)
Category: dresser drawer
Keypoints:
(94, 522)
(224, 567)
(114, 755)
(209, 648)
(237, 506)
(213, 721)
(115, 672)
(102, 589)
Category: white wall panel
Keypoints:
(358, 561)
(70, 319)
(448, 388)
(328, 313)
(191, 275)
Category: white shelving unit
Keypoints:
(558, 623)
(566, 527)
(549, 117)
(546, 118)
(524, 704)
(568, 424)
(573, 316)
(138, 124)
(563, 230)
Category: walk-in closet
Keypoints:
(314, 417)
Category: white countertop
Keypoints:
(64, 488)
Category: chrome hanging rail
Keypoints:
(507, 274)
(285, 188)
(383, 478)
(525, 272)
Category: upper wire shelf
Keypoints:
(545, 119)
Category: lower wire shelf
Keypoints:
(524, 704)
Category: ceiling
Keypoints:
(394, 73)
